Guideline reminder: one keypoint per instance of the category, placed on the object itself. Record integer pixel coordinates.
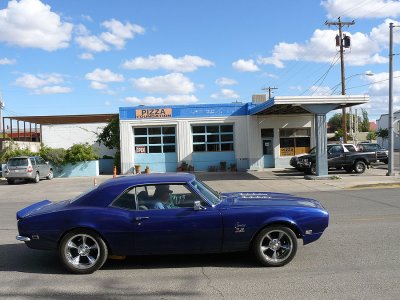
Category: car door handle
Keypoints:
(141, 218)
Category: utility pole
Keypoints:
(1, 113)
(269, 91)
(391, 136)
(342, 42)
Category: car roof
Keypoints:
(152, 178)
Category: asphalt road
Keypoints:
(358, 257)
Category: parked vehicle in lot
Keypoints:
(381, 153)
(28, 168)
(294, 161)
(338, 158)
(171, 213)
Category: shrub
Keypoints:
(80, 152)
(54, 155)
(10, 151)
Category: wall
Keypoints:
(32, 146)
(82, 169)
(383, 122)
(66, 135)
(256, 123)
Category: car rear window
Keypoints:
(17, 162)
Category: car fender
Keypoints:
(284, 221)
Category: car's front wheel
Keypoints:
(82, 251)
(275, 246)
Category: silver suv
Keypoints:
(28, 168)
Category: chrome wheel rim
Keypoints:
(50, 176)
(276, 246)
(82, 251)
(360, 167)
(37, 177)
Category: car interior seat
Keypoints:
(143, 200)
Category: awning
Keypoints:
(302, 104)
(65, 119)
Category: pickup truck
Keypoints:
(338, 158)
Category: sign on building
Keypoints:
(151, 113)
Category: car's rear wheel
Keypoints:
(360, 167)
(36, 179)
(82, 251)
(275, 246)
(313, 169)
(10, 181)
(50, 175)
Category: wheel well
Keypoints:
(289, 225)
(87, 229)
(360, 159)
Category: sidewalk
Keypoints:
(291, 181)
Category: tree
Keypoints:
(383, 133)
(371, 135)
(110, 138)
(365, 121)
(110, 135)
(335, 123)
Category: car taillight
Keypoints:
(30, 169)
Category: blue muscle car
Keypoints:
(169, 214)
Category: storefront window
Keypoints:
(155, 139)
(294, 141)
(212, 138)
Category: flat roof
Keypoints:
(65, 119)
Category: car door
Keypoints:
(177, 229)
(335, 156)
(43, 167)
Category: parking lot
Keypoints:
(357, 257)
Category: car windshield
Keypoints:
(312, 151)
(205, 190)
(17, 162)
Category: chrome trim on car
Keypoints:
(23, 238)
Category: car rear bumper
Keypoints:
(19, 175)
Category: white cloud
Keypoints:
(116, 36)
(118, 33)
(86, 56)
(104, 75)
(362, 9)
(174, 99)
(87, 18)
(30, 23)
(174, 83)
(223, 81)
(31, 81)
(187, 63)
(47, 90)
(98, 85)
(321, 48)
(242, 65)
(7, 61)
(92, 43)
(225, 94)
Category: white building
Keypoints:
(206, 136)
(383, 122)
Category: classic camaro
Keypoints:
(171, 213)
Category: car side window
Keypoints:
(350, 148)
(33, 161)
(127, 200)
(40, 161)
(167, 196)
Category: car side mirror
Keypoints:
(198, 206)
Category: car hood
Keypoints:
(267, 199)
(45, 206)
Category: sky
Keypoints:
(90, 56)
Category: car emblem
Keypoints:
(240, 228)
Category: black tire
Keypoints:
(313, 169)
(385, 161)
(10, 181)
(360, 167)
(82, 251)
(50, 175)
(36, 179)
(275, 246)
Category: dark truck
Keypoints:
(338, 158)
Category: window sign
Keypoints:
(140, 149)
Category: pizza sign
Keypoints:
(152, 113)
